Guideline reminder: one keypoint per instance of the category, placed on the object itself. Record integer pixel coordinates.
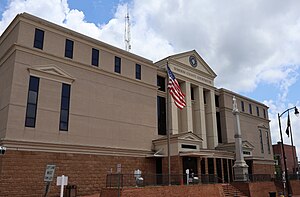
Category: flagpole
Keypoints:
(168, 133)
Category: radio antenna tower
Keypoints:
(127, 32)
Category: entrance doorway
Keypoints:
(191, 164)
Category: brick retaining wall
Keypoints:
(22, 172)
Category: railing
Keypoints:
(129, 180)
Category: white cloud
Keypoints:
(245, 42)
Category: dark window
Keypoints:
(261, 141)
(65, 106)
(161, 83)
(265, 116)
(217, 101)
(117, 64)
(192, 94)
(69, 48)
(95, 57)
(219, 169)
(32, 100)
(225, 170)
(161, 115)
(250, 108)
(188, 146)
(210, 164)
(243, 106)
(246, 153)
(204, 96)
(38, 39)
(203, 166)
(219, 127)
(138, 71)
(257, 111)
(268, 142)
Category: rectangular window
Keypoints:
(218, 116)
(64, 107)
(138, 71)
(117, 64)
(161, 115)
(161, 83)
(192, 94)
(32, 100)
(257, 111)
(204, 96)
(261, 141)
(217, 101)
(188, 146)
(268, 142)
(250, 108)
(95, 57)
(69, 48)
(243, 106)
(265, 116)
(38, 39)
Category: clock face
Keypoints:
(193, 61)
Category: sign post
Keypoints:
(49, 173)
(62, 181)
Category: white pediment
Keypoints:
(189, 136)
(51, 72)
(193, 60)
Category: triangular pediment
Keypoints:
(182, 136)
(193, 60)
(189, 136)
(231, 146)
(51, 72)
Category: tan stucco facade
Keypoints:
(115, 114)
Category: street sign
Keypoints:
(62, 180)
(49, 173)
(119, 168)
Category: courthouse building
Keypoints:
(92, 109)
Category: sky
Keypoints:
(252, 45)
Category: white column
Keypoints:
(187, 115)
(199, 111)
(211, 120)
(172, 116)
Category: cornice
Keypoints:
(72, 148)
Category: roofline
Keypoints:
(73, 33)
(239, 95)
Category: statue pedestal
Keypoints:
(240, 171)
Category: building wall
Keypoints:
(22, 172)
(98, 116)
(290, 154)
(251, 124)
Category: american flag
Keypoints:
(175, 91)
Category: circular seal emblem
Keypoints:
(193, 61)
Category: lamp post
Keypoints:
(282, 146)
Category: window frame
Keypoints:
(243, 106)
(138, 71)
(95, 57)
(161, 83)
(118, 64)
(69, 48)
(35, 89)
(64, 108)
(39, 36)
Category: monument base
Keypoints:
(240, 171)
